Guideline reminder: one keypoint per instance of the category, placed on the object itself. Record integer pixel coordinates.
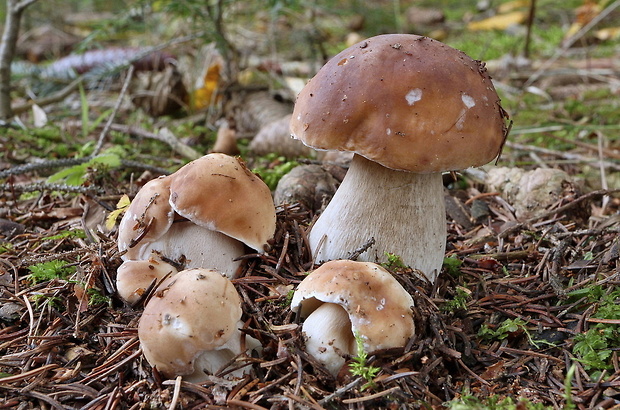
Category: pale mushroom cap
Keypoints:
(407, 102)
(150, 210)
(134, 277)
(194, 311)
(378, 306)
(220, 193)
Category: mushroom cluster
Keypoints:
(199, 217)
(181, 236)
(409, 107)
(344, 299)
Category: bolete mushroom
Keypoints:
(191, 326)
(342, 299)
(135, 277)
(148, 217)
(220, 193)
(200, 216)
(409, 107)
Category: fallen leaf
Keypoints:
(512, 5)
(499, 22)
(609, 33)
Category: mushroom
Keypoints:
(148, 217)
(409, 107)
(200, 216)
(191, 326)
(135, 277)
(220, 193)
(344, 298)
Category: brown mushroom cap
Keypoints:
(148, 217)
(378, 306)
(194, 311)
(407, 102)
(220, 193)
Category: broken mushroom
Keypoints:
(409, 107)
(342, 299)
(191, 326)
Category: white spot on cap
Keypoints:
(413, 96)
(388, 131)
(468, 101)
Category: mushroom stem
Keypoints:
(329, 336)
(403, 211)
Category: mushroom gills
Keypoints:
(329, 336)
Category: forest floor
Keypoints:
(525, 308)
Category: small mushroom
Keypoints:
(409, 107)
(343, 298)
(148, 217)
(200, 217)
(220, 193)
(135, 277)
(191, 326)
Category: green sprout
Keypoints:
(45, 271)
(96, 297)
(394, 261)
(594, 348)
(459, 302)
(272, 173)
(452, 265)
(360, 366)
(41, 299)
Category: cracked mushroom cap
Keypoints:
(147, 219)
(196, 311)
(220, 193)
(378, 307)
(406, 102)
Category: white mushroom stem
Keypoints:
(403, 211)
(211, 361)
(198, 247)
(329, 336)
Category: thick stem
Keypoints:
(403, 212)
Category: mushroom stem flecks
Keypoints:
(375, 202)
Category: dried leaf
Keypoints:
(609, 33)
(206, 95)
(499, 22)
(121, 206)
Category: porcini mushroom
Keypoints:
(135, 277)
(201, 216)
(220, 193)
(344, 298)
(148, 217)
(409, 107)
(191, 326)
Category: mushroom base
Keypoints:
(403, 212)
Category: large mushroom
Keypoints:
(409, 107)
(342, 299)
(191, 326)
